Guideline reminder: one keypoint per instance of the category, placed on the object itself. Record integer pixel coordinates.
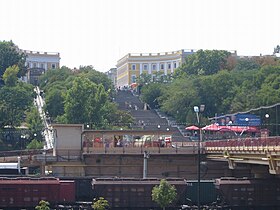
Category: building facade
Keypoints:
(39, 62)
(112, 75)
(132, 66)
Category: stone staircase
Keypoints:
(146, 118)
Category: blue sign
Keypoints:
(240, 120)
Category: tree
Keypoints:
(55, 101)
(10, 75)
(43, 205)
(96, 77)
(150, 94)
(14, 102)
(246, 64)
(34, 122)
(35, 144)
(164, 194)
(100, 204)
(204, 62)
(9, 56)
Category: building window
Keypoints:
(154, 67)
(175, 66)
(133, 78)
(169, 65)
(133, 67)
(145, 67)
(162, 66)
(34, 65)
(53, 66)
(42, 65)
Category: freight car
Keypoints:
(243, 193)
(26, 192)
(134, 193)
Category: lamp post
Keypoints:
(198, 110)
(22, 140)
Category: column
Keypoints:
(149, 68)
(140, 67)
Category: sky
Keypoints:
(100, 32)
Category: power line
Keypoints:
(254, 109)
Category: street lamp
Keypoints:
(158, 135)
(22, 140)
(198, 110)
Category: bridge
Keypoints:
(262, 151)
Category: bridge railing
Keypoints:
(259, 143)
(140, 150)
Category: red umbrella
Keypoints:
(212, 127)
(192, 128)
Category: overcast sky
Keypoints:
(99, 32)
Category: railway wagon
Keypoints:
(83, 188)
(26, 192)
(134, 193)
(250, 193)
(208, 192)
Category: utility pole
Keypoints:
(145, 165)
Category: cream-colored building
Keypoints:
(132, 65)
(39, 62)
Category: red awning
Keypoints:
(192, 128)
(212, 127)
(233, 128)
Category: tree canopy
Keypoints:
(9, 56)
(164, 194)
(81, 96)
(247, 83)
(204, 62)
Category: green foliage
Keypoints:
(179, 98)
(151, 92)
(55, 101)
(35, 144)
(100, 204)
(10, 75)
(221, 93)
(9, 56)
(43, 205)
(79, 96)
(53, 76)
(246, 64)
(87, 102)
(96, 77)
(204, 62)
(34, 122)
(143, 79)
(164, 194)
(14, 101)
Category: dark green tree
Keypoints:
(100, 204)
(246, 64)
(96, 77)
(43, 205)
(10, 55)
(10, 75)
(34, 122)
(55, 101)
(35, 144)
(14, 102)
(150, 94)
(164, 194)
(204, 62)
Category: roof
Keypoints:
(9, 165)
